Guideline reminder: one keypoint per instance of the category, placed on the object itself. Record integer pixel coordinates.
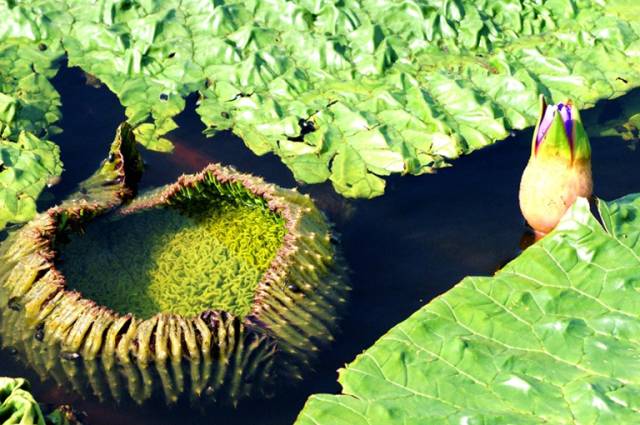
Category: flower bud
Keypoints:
(560, 133)
(559, 169)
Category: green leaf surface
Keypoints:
(407, 85)
(29, 109)
(18, 407)
(26, 166)
(552, 338)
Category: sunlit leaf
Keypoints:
(18, 406)
(29, 109)
(436, 79)
(552, 338)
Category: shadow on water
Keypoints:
(405, 248)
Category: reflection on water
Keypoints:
(419, 239)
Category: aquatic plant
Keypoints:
(219, 286)
(559, 168)
(347, 92)
(29, 108)
(18, 407)
(551, 338)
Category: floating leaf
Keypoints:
(29, 108)
(551, 338)
(434, 80)
(26, 166)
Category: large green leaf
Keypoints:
(29, 108)
(554, 337)
(347, 91)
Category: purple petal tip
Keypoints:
(547, 119)
(549, 114)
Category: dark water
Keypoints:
(417, 241)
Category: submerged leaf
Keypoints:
(552, 337)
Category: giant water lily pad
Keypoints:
(217, 287)
(29, 109)
(347, 91)
(551, 338)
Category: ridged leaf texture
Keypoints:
(347, 91)
(551, 338)
(19, 407)
(29, 107)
